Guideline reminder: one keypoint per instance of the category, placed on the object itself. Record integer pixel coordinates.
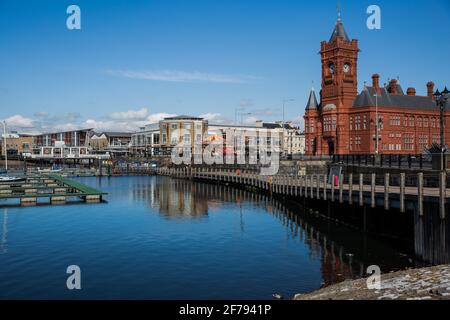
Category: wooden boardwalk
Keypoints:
(365, 191)
(53, 187)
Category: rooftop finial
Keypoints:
(312, 85)
(339, 10)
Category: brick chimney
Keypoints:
(430, 89)
(376, 82)
(411, 92)
(393, 86)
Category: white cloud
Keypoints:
(156, 117)
(130, 115)
(249, 120)
(215, 118)
(183, 76)
(18, 121)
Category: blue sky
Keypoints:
(134, 61)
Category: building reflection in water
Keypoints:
(431, 237)
(4, 235)
(344, 253)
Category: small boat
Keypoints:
(11, 179)
(53, 170)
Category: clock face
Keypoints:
(331, 66)
(346, 68)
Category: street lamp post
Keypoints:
(441, 102)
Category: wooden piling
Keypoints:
(350, 188)
(420, 193)
(372, 190)
(318, 187)
(361, 189)
(402, 192)
(386, 191)
(332, 188)
(442, 193)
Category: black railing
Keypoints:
(401, 161)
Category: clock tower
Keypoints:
(339, 88)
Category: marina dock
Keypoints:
(55, 188)
(403, 191)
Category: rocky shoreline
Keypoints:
(432, 283)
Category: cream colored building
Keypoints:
(182, 129)
(16, 144)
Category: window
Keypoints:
(394, 120)
(419, 121)
(408, 141)
(351, 123)
(311, 127)
(358, 123)
(156, 138)
(357, 143)
(327, 124)
(411, 121)
(164, 138)
(425, 122)
(187, 138)
(187, 125)
(174, 126)
(198, 138)
(365, 123)
(435, 138)
(423, 141)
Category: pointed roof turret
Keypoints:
(312, 101)
(339, 30)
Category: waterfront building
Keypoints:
(73, 138)
(339, 120)
(16, 144)
(189, 130)
(146, 141)
(291, 138)
(159, 139)
(73, 144)
(114, 143)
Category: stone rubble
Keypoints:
(431, 283)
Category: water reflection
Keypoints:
(431, 235)
(344, 253)
(4, 237)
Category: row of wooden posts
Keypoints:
(319, 187)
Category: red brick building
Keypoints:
(344, 122)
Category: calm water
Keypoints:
(158, 238)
